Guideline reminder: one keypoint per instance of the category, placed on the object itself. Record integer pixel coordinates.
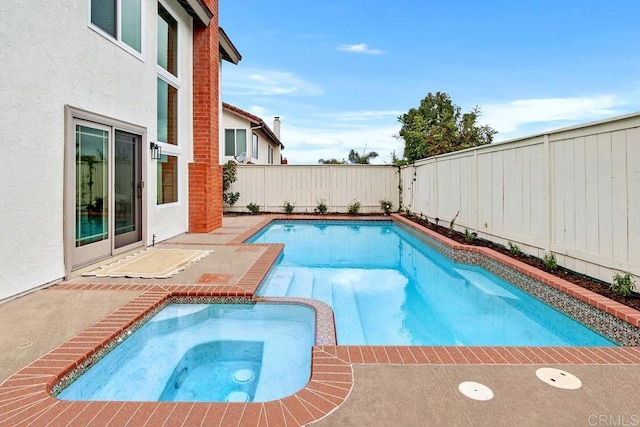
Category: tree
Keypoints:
(361, 159)
(331, 162)
(437, 127)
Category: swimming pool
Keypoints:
(207, 353)
(388, 288)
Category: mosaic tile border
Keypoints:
(613, 328)
(324, 326)
(86, 364)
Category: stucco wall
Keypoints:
(50, 58)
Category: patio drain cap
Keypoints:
(243, 375)
(238, 397)
(559, 378)
(475, 391)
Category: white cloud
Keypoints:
(517, 118)
(360, 48)
(240, 81)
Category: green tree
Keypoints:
(437, 127)
(331, 162)
(361, 159)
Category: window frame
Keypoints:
(117, 39)
(270, 155)
(254, 145)
(160, 182)
(171, 80)
(235, 142)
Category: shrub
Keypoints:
(470, 237)
(514, 249)
(289, 207)
(386, 206)
(550, 261)
(353, 208)
(228, 178)
(253, 208)
(321, 208)
(623, 285)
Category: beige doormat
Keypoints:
(151, 264)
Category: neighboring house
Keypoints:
(109, 122)
(249, 134)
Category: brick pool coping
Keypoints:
(26, 397)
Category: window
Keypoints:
(167, 41)
(168, 83)
(167, 113)
(120, 19)
(254, 146)
(235, 142)
(167, 179)
(270, 155)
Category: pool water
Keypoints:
(386, 287)
(207, 352)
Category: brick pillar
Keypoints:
(205, 173)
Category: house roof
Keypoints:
(198, 9)
(255, 122)
(228, 51)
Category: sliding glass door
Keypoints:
(107, 191)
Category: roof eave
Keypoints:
(198, 9)
(228, 51)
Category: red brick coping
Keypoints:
(25, 397)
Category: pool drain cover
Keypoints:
(238, 397)
(243, 375)
(559, 378)
(475, 391)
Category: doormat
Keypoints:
(151, 264)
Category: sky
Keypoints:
(339, 73)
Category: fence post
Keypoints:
(547, 194)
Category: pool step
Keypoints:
(323, 290)
(484, 284)
(302, 284)
(279, 282)
(347, 315)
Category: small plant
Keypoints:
(470, 237)
(230, 198)
(253, 208)
(408, 213)
(321, 208)
(550, 261)
(386, 206)
(623, 285)
(453, 223)
(353, 208)
(289, 207)
(424, 218)
(514, 249)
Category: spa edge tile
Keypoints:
(273, 413)
(335, 395)
(88, 413)
(233, 414)
(251, 415)
(64, 414)
(124, 414)
(196, 414)
(297, 409)
(214, 414)
(180, 413)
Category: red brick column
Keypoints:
(205, 173)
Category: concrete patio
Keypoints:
(391, 386)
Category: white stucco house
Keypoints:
(106, 108)
(246, 136)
